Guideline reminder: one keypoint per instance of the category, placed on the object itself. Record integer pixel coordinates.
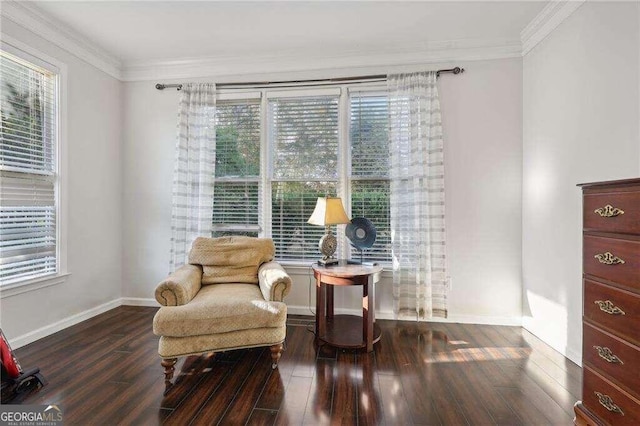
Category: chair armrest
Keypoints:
(180, 287)
(274, 281)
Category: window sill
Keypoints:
(14, 289)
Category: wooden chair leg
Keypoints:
(168, 364)
(276, 353)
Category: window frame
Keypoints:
(267, 150)
(372, 90)
(59, 69)
(244, 98)
(294, 93)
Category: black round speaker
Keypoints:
(361, 233)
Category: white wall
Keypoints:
(482, 112)
(94, 174)
(580, 124)
(519, 135)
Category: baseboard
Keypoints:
(48, 330)
(32, 336)
(299, 310)
(139, 301)
(482, 319)
(573, 355)
(464, 319)
(304, 310)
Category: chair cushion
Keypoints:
(220, 308)
(170, 347)
(233, 259)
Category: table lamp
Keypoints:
(329, 211)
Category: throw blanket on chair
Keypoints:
(232, 259)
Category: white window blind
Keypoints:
(28, 243)
(303, 137)
(304, 144)
(369, 140)
(237, 188)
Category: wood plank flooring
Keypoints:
(106, 371)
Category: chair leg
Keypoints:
(168, 364)
(276, 353)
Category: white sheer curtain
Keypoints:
(417, 197)
(194, 171)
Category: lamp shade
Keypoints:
(328, 211)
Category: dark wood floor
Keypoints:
(106, 371)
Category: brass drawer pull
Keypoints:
(608, 307)
(608, 211)
(607, 402)
(608, 258)
(606, 354)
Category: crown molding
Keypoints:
(553, 14)
(435, 52)
(35, 20)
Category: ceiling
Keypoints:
(139, 32)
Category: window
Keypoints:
(303, 139)
(369, 142)
(237, 188)
(28, 170)
(280, 151)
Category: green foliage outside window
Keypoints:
(22, 119)
(235, 201)
(238, 140)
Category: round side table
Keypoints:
(346, 331)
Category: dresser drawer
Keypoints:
(612, 212)
(608, 402)
(616, 310)
(616, 358)
(612, 259)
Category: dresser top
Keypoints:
(611, 183)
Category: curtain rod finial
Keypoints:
(160, 86)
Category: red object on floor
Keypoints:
(9, 361)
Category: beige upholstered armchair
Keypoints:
(229, 296)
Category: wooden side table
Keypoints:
(346, 331)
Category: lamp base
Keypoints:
(327, 246)
(327, 262)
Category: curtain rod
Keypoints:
(359, 79)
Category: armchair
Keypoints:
(230, 296)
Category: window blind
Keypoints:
(237, 188)
(370, 190)
(27, 171)
(291, 206)
(235, 208)
(303, 142)
(237, 139)
(303, 136)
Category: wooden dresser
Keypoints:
(611, 297)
